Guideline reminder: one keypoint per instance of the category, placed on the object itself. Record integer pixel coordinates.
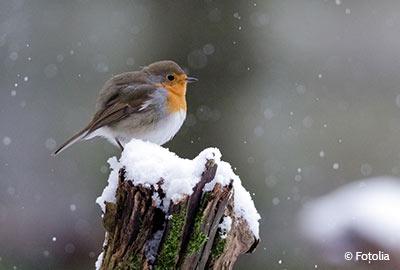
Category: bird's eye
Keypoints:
(170, 77)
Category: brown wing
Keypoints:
(128, 101)
(118, 84)
(120, 105)
(115, 112)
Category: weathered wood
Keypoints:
(141, 236)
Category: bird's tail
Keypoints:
(80, 135)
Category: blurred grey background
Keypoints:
(300, 96)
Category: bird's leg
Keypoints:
(119, 144)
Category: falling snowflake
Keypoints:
(50, 144)
(275, 201)
(335, 166)
(6, 140)
(236, 15)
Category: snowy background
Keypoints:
(301, 97)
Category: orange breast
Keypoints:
(176, 98)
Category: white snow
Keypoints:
(147, 163)
(99, 261)
(225, 226)
(108, 194)
(368, 208)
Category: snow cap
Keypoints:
(147, 163)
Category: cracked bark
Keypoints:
(141, 236)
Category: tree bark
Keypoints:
(141, 236)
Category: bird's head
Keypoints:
(170, 75)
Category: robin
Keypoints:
(149, 104)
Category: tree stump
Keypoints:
(140, 235)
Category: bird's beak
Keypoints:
(191, 79)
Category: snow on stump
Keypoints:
(165, 212)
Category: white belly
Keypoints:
(159, 133)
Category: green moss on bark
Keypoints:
(198, 238)
(170, 249)
(218, 246)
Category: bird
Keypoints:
(148, 104)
